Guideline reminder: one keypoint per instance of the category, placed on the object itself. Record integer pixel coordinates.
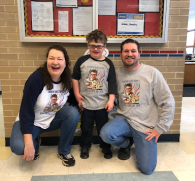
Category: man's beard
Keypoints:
(131, 65)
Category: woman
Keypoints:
(42, 109)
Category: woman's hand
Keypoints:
(29, 153)
(29, 150)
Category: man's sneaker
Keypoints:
(84, 153)
(67, 160)
(124, 153)
(36, 156)
(107, 153)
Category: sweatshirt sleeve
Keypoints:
(33, 87)
(112, 87)
(164, 98)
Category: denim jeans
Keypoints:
(66, 119)
(117, 132)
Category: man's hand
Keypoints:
(152, 133)
(29, 153)
(79, 97)
(109, 106)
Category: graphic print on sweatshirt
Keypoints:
(131, 92)
(56, 100)
(95, 78)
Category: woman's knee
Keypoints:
(17, 147)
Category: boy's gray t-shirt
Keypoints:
(103, 84)
(149, 90)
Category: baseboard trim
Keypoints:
(51, 141)
(189, 85)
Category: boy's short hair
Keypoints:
(128, 85)
(97, 35)
(93, 70)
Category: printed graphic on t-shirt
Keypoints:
(95, 78)
(131, 92)
(55, 101)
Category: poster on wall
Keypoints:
(66, 3)
(82, 20)
(63, 21)
(42, 16)
(130, 24)
(149, 5)
(106, 7)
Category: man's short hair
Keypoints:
(54, 95)
(93, 70)
(97, 36)
(129, 85)
(129, 40)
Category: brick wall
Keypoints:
(18, 60)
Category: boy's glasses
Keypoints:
(96, 46)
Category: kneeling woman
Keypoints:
(43, 109)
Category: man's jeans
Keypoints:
(66, 119)
(117, 132)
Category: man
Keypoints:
(129, 96)
(92, 82)
(139, 121)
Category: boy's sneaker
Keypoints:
(67, 160)
(84, 152)
(107, 153)
(124, 153)
(36, 156)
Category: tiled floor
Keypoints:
(176, 161)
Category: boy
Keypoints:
(94, 85)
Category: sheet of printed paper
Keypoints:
(106, 7)
(82, 20)
(149, 5)
(130, 24)
(66, 3)
(63, 21)
(42, 16)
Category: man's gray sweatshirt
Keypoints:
(151, 88)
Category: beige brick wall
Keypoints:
(18, 60)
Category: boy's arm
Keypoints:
(75, 84)
(110, 104)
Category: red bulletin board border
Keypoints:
(55, 33)
(153, 21)
(152, 26)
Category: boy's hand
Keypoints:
(109, 106)
(79, 97)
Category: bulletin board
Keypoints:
(71, 20)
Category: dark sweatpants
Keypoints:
(87, 122)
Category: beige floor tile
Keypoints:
(170, 149)
(185, 175)
(187, 142)
(86, 166)
(48, 162)
(13, 178)
(184, 163)
(114, 165)
(2, 163)
(161, 165)
(16, 166)
(2, 141)
(5, 152)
